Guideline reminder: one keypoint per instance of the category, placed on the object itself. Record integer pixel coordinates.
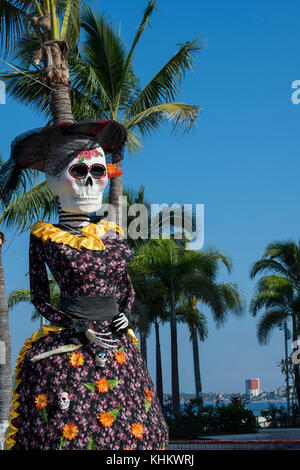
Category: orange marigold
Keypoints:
(102, 385)
(41, 401)
(128, 448)
(70, 431)
(148, 394)
(137, 430)
(120, 357)
(76, 359)
(113, 170)
(106, 419)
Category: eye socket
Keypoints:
(98, 171)
(78, 170)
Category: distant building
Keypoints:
(252, 387)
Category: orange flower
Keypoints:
(41, 401)
(137, 430)
(106, 419)
(113, 170)
(76, 359)
(102, 385)
(70, 431)
(128, 448)
(120, 357)
(148, 394)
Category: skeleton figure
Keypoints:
(63, 400)
(80, 187)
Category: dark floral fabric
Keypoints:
(112, 407)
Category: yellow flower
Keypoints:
(137, 430)
(41, 401)
(102, 385)
(76, 359)
(106, 419)
(70, 431)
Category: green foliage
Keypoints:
(278, 290)
(277, 417)
(103, 81)
(37, 203)
(198, 420)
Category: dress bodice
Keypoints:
(78, 272)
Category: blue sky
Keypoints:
(241, 162)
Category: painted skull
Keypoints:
(101, 359)
(63, 400)
(81, 183)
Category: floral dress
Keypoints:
(65, 400)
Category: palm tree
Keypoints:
(37, 22)
(104, 85)
(278, 293)
(151, 302)
(143, 323)
(187, 312)
(25, 209)
(181, 271)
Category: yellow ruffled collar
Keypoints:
(91, 239)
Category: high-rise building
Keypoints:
(252, 387)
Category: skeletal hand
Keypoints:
(100, 339)
(121, 322)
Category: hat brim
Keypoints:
(31, 149)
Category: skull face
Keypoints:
(81, 183)
(63, 400)
(101, 359)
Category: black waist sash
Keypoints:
(91, 308)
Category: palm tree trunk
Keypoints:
(174, 359)
(5, 353)
(115, 198)
(296, 366)
(60, 105)
(196, 364)
(143, 345)
(159, 378)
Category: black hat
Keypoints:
(53, 147)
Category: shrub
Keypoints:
(198, 419)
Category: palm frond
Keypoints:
(268, 265)
(144, 22)
(17, 296)
(182, 117)
(271, 291)
(186, 313)
(103, 51)
(13, 22)
(37, 203)
(26, 90)
(24, 48)
(233, 297)
(133, 142)
(166, 84)
(271, 319)
(288, 254)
